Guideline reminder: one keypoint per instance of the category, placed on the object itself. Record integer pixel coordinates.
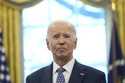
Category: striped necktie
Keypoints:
(60, 77)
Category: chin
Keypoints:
(60, 55)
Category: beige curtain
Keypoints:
(119, 9)
(10, 19)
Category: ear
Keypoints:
(47, 43)
(75, 43)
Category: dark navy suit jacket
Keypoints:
(80, 74)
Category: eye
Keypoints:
(66, 36)
(56, 36)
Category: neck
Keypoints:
(62, 62)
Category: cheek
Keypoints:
(73, 45)
(70, 45)
(52, 46)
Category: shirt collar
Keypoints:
(68, 67)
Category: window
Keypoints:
(90, 25)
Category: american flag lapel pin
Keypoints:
(82, 74)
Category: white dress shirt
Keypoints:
(68, 69)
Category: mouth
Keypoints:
(61, 50)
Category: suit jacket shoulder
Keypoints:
(43, 75)
(89, 69)
(89, 74)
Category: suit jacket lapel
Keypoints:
(48, 75)
(77, 76)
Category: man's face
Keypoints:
(61, 41)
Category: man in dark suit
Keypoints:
(61, 41)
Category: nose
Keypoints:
(61, 41)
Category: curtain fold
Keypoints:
(97, 3)
(120, 12)
(22, 3)
(10, 18)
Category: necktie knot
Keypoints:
(60, 70)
